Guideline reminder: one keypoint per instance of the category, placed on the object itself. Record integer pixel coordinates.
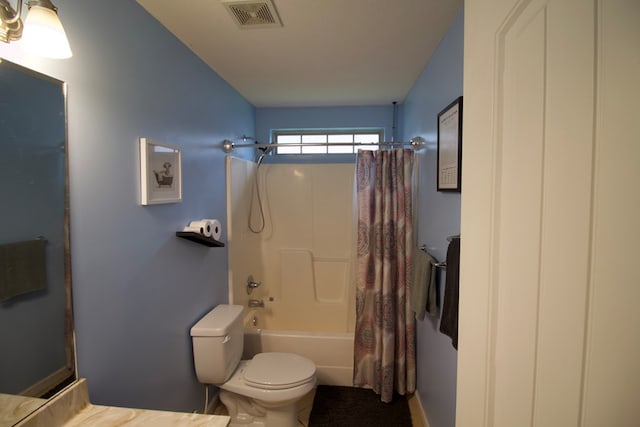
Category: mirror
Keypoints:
(36, 321)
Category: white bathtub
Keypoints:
(332, 352)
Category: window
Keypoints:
(326, 141)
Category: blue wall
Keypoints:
(439, 216)
(138, 288)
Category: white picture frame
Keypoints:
(160, 173)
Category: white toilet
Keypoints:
(261, 392)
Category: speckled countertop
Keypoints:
(13, 408)
(72, 408)
(108, 416)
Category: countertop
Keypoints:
(14, 408)
(109, 416)
(72, 408)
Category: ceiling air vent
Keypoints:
(253, 13)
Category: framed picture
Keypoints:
(450, 147)
(160, 173)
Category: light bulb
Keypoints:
(44, 35)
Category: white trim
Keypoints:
(300, 145)
(418, 414)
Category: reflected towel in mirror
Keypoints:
(23, 268)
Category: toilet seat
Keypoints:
(277, 371)
(238, 385)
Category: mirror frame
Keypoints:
(52, 385)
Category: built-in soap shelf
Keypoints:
(199, 238)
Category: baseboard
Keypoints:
(418, 415)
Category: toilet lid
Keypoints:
(278, 370)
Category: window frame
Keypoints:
(327, 133)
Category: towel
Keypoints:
(22, 268)
(423, 290)
(449, 319)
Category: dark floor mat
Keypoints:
(335, 406)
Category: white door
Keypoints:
(550, 256)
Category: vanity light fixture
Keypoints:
(42, 32)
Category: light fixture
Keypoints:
(42, 34)
(10, 23)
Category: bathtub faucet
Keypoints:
(251, 285)
(254, 303)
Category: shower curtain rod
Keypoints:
(416, 143)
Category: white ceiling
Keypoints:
(327, 53)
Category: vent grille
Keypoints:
(252, 13)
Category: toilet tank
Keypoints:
(218, 340)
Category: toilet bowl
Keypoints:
(261, 392)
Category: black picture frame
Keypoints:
(449, 162)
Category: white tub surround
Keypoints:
(303, 256)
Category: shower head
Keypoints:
(265, 150)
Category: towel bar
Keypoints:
(441, 264)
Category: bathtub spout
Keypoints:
(254, 303)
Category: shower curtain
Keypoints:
(385, 329)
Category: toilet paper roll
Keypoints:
(202, 227)
(216, 228)
(198, 230)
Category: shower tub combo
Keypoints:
(299, 252)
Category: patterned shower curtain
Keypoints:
(385, 328)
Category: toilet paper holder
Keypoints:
(205, 232)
